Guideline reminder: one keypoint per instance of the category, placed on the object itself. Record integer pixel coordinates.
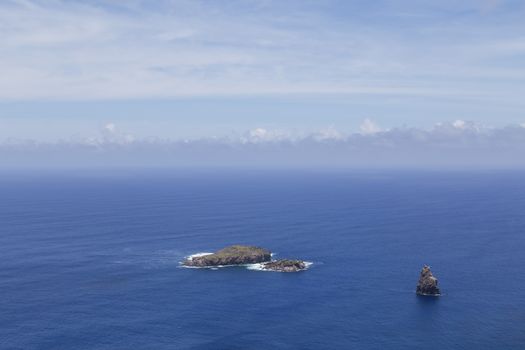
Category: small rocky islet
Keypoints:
(285, 265)
(427, 284)
(242, 255)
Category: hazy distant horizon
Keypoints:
(463, 145)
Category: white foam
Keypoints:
(260, 267)
(255, 267)
(197, 255)
(191, 257)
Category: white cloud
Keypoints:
(261, 135)
(110, 127)
(443, 145)
(328, 134)
(459, 124)
(369, 127)
(109, 135)
(258, 133)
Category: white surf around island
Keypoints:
(260, 266)
(197, 255)
(254, 267)
(191, 257)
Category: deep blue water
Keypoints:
(90, 260)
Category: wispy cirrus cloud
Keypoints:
(59, 49)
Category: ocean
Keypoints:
(90, 259)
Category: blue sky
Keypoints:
(204, 68)
(188, 70)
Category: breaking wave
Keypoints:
(254, 267)
(260, 267)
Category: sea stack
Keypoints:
(427, 284)
(233, 255)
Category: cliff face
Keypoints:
(428, 284)
(233, 255)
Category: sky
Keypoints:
(74, 72)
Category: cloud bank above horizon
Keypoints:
(459, 144)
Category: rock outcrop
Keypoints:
(428, 284)
(285, 265)
(233, 255)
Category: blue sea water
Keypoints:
(90, 260)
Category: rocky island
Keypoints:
(285, 265)
(233, 255)
(427, 284)
(245, 255)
